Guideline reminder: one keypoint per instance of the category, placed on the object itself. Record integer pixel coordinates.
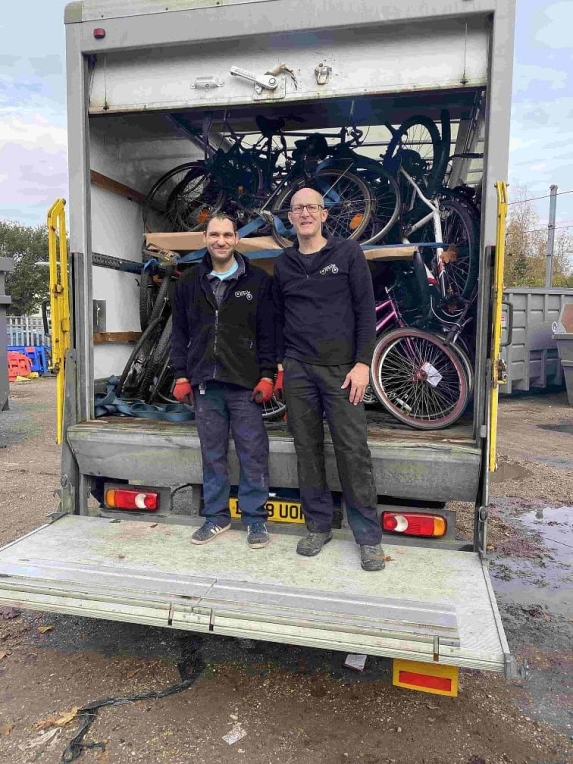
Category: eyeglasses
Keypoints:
(312, 208)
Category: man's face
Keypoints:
(220, 240)
(306, 223)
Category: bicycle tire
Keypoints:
(146, 298)
(161, 301)
(405, 361)
(460, 228)
(386, 207)
(347, 218)
(182, 199)
(163, 384)
(467, 364)
(157, 360)
(131, 376)
(410, 135)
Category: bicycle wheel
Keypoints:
(417, 134)
(273, 410)
(132, 375)
(348, 199)
(182, 199)
(147, 293)
(386, 207)
(155, 364)
(419, 379)
(460, 262)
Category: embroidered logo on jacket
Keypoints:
(332, 268)
(244, 293)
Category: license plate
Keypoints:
(280, 511)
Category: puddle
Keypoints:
(506, 471)
(567, 428)
(544, 574)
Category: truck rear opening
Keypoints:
(141, 98)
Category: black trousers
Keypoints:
(311, 390)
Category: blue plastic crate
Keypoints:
(38, 354)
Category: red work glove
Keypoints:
(279, 387)
(263, 392)
(183, 392)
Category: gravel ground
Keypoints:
(292, 704)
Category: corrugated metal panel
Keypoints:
(531, 358)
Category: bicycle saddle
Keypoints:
(269, 127)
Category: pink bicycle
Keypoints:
(424, 379)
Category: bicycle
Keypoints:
(421, 371)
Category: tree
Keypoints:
(526, 246)
(29, 283)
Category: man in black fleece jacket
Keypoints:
(223, 355)
(326, 334)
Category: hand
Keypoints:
(263, 392)
(279, 387)
(358, 378)
(183, 392)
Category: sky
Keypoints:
(33, 158)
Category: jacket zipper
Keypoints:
(215, 342)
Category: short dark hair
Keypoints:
(220, 216)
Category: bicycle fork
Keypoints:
(434, 216)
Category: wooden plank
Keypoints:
(109, 184)
(101, 337)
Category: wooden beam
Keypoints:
(101, 337)
(116, 187)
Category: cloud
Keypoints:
(555, 33)
(33, 157)
(533, 77)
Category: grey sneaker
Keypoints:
(257, 536)
(207, 532)
(313, 543)
(372, 557)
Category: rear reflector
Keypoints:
(414, 523)
(127, 498)
(425, 677)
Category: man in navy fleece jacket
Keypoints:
(326, 335)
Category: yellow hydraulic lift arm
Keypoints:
(59, 302)
(498, 366)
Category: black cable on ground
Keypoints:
(190, 669)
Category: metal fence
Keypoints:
(25, 330)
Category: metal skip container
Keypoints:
(563, 336)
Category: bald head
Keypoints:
(307, 196)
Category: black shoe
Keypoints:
(313, 543)
(258, 536)
(372, 557)
(207, 532)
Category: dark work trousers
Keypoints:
(223, 407)
(310, 390)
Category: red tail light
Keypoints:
(414, 524)
(129, 498)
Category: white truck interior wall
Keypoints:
(117, 230)
(387, 59)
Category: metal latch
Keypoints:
(266, 81)
(322, 74)
(207, 83)
(500, 372)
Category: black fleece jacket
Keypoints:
(325, 316)
(234, 342)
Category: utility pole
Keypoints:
(550, 234)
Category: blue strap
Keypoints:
(108, 404)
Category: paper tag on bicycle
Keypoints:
(433, 376)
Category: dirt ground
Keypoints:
(290, 704)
